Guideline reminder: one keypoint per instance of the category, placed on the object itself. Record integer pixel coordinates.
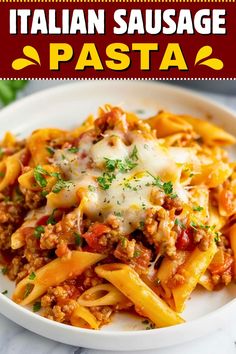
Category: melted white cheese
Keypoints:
(128, 196)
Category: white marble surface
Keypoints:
(16, 340)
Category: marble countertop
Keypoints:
(16, 340)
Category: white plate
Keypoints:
(67, 106)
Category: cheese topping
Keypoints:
(119, 174)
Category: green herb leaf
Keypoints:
(78, 239)
(197, 208)
(105, 180)
(134, 153)
(32, 276)
(4, 270)
(38, 231)
(73, 149)
(28, 288)
(44, 193)
(37, 306)
(50, 150)
(217, 237)
(5, 292)
(91, 188)
(141, 225)
(9, 90)
(39, 174)
(51, 220)
(137, 254)
(179, 223)
(167, 187)
(61, 184)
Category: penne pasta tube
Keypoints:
(27, 180)
(145, 300)
(18, 238)
(166, 123)
(192, 270)
(53, 274)
(168, 268)
(101, 295)
(82, 317)
(10, 168)
(213, 174)
(37, 143)
(210, 133)
(206, 282)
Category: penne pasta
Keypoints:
(10, 169)
(210, 133)
(53, 274)
(102, 295)
(167, 124)
(192, 270)
(82, 317)
(129, 283)
(38, 142)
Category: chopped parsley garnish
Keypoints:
(37, 306)
(39, 174)
(51, 220)
(78, 239)
(73, 149)
(38, 231)
(105, 180)
(4, 292)
(122, 166)
(91, 188)
(123, 242)
(217, 237)
(4, 270)
(111, 164)
(28, 288)
(44, 193)
(141, 225)
(197, 208)
(137, 254)
(179, 223)
(117, 213)
(196, 226)
(32, 276)
(2, 174)
(61, 184)
(166, 187)
(134, 153)
(193, 225)
(50, 150)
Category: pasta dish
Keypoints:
(119, 214)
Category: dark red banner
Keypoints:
(117, 39)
